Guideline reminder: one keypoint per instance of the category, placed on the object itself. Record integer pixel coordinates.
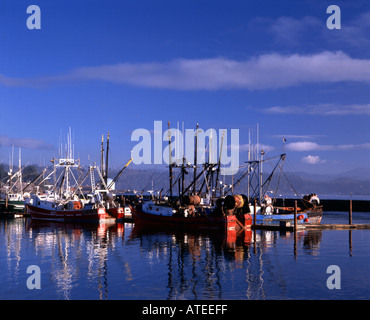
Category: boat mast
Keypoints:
(219, 164)
(183, 171)
(102, 155)
(20, 172)
(10, 173)
(195, 158)
(259, 166)
(249, 159)
(106, 161)
(170, 159)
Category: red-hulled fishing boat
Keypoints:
(66, 201)
(190, 211)
(107, 187)
(54, 211)
(228, 214)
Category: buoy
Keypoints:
(306, 220)
(300, 217)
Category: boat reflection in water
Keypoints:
(119, 261)
(78, 253)
(230, 265)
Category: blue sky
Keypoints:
(117, 66)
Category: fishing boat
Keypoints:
(66, 201)
(267, 214)
(12, 197)
(11, 202)
(227, 214)
(308, 209)
(106, 186)
(193, 209)
(53, 208)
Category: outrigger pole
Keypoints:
(119, 174)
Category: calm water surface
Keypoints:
(120, 262)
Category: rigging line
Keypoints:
(77, 186)
(174, 183)
(246, 172)
(80, 184)
(278, 184)
(160, 177)
(47, 177)
(294, 176)
(290, 184)
(142, 191)
(205, 181)
(269, 179)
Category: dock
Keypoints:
(311, 227)
(340, 205)
(296, 227)
(338, 226)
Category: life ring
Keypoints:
(77, 205)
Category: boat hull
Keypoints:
(84, 215)
(12, 206)
(230, 222)
(303, 217)
(119, 213)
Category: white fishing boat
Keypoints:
(12, 196)
(66, 201)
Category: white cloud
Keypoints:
(297, 136)
(307, 146)
(322, 109)
(312, 159)
(24, 143)
(268, 71)
(313, 146)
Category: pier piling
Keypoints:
(295, 216)
(350, 212)
(295, 228)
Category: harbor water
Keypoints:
(110, 262)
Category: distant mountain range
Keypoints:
(355, 174)
(355, 181)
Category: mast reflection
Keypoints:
(208, 265)
(68, 245)
(110, 261)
